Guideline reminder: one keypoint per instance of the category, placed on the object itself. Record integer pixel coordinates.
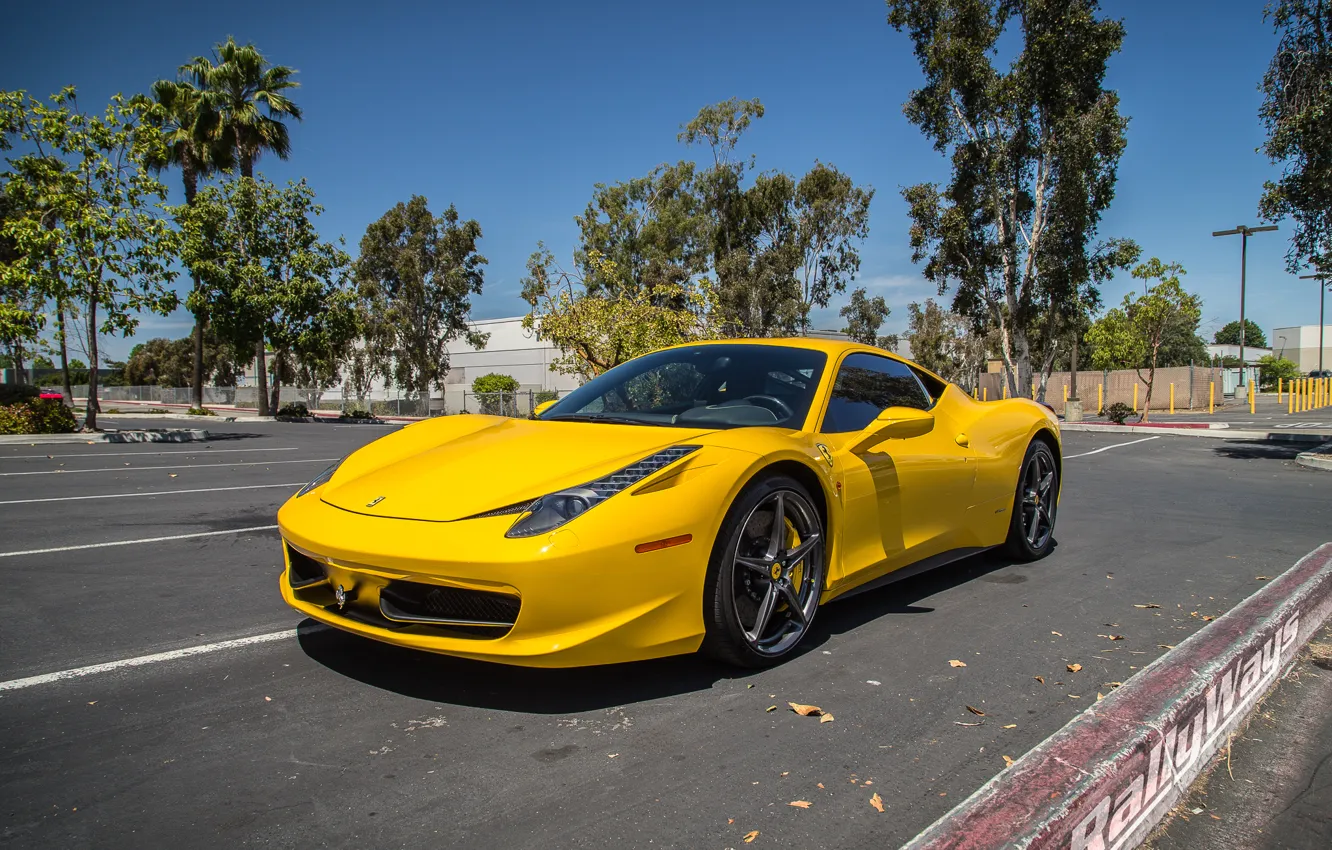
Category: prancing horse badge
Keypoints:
(376, 501)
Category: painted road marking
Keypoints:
(139, 541)
(181, 466)
(145, 454)
(156, 658)
(1108, 448)
(150, 493)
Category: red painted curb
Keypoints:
(1106, 778)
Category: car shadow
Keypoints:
(1260, 450)
(479, 684)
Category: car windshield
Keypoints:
(702, 386)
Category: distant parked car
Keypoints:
(47, 392)
(1326, 373)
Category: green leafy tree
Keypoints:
(1297, 114)
(1034, 150)
(268, 278)
(831, 216)
(1271, 367)
(1230, 334)
(494, 392)
(597, 329)
(195, 146)
(420, 271)
(864, 316)
(1131, 336)
(945, 343)
(111, 249)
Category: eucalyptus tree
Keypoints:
(1034, 150)
(195, 146)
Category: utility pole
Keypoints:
(1321, 277)
(1243, 230)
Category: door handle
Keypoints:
(963, 440)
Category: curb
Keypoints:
(168, 435)
(179, 416)
(1216, 433)
(1105, 779)
(1319, 458)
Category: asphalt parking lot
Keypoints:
(303, 736)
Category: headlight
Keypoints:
(319, 479)
(552, 511)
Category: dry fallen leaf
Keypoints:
(1256, 578)
(786, 773)
(730, 820)
(820, 784)
(877, 802)
(94, 702)
(805, 710)
(1011, 726)
(1076, 696)
(960, 723)
(749, 839)
(975, 710)
(268, 699)
(1099, 696)
(1073, 668)
(171, 474)
(771, 708)
(612, 755)
(955, 663)
(1148, 605)
(1008, 761)
(1165, 646)
(1112, 637)
(800, 804)
(827, 718)
(1057, 633)
(1040, 679)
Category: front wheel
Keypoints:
(1031, 530)
(766, 575)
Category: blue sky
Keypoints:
(513, 110)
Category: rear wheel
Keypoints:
(1031, 531)
(766, 575)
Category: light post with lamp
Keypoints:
(1321, 277)
(1243, 230)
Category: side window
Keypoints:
(865, 386)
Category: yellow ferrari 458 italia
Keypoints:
(703, 497)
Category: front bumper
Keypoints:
(583, 596)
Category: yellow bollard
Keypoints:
(1290, 399)
(1172, 397)
(1278, 390)
(1005, 389)
(1065, 393)
(1135, 397)
(1252, 398)
(1211, 396)
(1100, 397)
(985, 393)
(1033, 390)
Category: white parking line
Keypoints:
(139, 541)
(179, 466)
(149, 493)
(157, 658)
(1108, 448)
(145, 454)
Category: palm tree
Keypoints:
(194, 145)
(247, 95)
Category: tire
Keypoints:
(1036, 499)
(741, 586)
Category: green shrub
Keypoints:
(200, 411)
(294, 408)
(16, 419)
(356, 413)
(1118, 412)
(18, 393)
(37, 416)
(495, 383)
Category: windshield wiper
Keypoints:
(588, 417)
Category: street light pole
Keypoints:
(1243, 231)
(1321, 277)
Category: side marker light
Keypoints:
(663, 544)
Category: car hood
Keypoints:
(442, 471)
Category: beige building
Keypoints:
(1300, 344)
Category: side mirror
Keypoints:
(543, 407)
(895, 423)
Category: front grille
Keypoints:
(305, 571)
(428, 603)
